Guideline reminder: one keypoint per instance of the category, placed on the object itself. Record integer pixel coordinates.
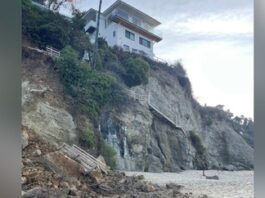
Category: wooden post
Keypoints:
(96, 40)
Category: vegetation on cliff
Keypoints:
(96, 89)
(91, 89)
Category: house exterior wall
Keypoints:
(107, 29)
(123, 40)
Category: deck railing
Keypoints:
(139, 24)
(53, 52)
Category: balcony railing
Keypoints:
(138, 23)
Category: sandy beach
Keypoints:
(236, 184)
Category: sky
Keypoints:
(214, 41)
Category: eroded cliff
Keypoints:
(145, 137)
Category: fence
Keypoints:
(52, 52)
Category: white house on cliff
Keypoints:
(125, 26)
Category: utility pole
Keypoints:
(96, 40)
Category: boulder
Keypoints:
(96, 175)
(229, 167)
(73, 191)
(150, 188)
(173, 186)
(23, 180)
(36, 153)
(61, 163)
(51, 123)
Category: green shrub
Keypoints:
(109, 155)
(44, 27)
(90, 89)
(137, 71)
(197, 143)
(86, 136)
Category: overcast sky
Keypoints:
(214, 40)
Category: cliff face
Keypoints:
(146, 140)
(152, 131)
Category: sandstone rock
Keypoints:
(150, 188)
(173, 186)
(146, 141)
(96, 175)
(73, 191)
(39, 192)
(60, 163)
(25, 138)
(144, 186)
(84, 187)
(27, 161)
(229, 168)
(140, 177)
(35, 192)
(37, 153)
(23, 180)
(84, 171)
(64, 185)
(51, 123)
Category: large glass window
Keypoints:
(145, 42)
(129, 35)
(136, 21)
(122, 14)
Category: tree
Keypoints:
(56, 4)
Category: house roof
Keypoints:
(90, 14)
(121, 4)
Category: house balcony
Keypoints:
(139, 27)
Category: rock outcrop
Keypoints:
(152, 132)
(50, 122)
(146, 141)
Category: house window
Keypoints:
(145, 42)
(122, 14)
(129, 35)
(126, 48)
(114, 33)
(134, 50)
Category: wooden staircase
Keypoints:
(85, 159)
(146, 98)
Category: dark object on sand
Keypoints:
(215, 177)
